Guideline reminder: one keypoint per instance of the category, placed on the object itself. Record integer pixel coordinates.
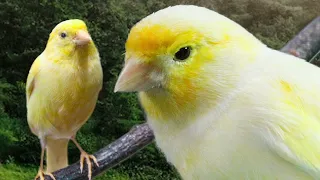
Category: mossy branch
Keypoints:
(304, 45)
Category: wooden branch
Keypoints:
(124, 147)
(303, 45)
(306, 43)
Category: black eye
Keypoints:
(63, 35)
(183, 53)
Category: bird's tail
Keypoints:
(57, 154)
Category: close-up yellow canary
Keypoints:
(223, 105)
(62, 90)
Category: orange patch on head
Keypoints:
(150, 40)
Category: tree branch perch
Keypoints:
(124, 147)
(304, 45)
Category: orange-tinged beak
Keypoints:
(82, 38)
(137, 76)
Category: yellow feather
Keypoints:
(62, 89)
(231, 108)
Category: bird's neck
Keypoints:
(73, 55)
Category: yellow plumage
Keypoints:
(62, 89)
(222, 104)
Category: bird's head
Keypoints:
(68, 37)
(183, 55)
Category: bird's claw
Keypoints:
(41, 175)
(87, 156)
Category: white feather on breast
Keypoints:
(232, 140)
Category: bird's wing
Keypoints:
(297, 130)
(35, 68)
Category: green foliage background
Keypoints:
(24, 29)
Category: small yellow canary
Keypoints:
(62, 90)
(223, 105)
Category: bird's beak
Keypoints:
(82, 38)
(137, 76)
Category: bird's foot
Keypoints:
(41, 175)
(88, 158)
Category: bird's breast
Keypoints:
(217, 146)
(64, 98)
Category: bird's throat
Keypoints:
(162, 105)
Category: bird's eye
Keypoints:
(183, 53)
(63, 35)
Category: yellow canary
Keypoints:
(222, 104)
(62, 89)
